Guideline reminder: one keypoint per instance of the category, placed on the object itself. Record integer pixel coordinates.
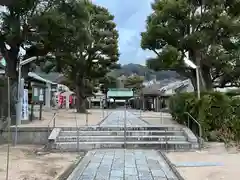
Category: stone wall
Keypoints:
(28, 135)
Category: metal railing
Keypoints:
(125, 128)
(190, 117)
(53, 120)
(77, 128)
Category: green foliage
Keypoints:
(233, 93)
(17, 30)
(214, 111)
(217, 113)
(129, 69)
(58, 26)
(182, 103)
(208, 30)
(106, 83)
(80, 35)
(135, 82)
(83, 38)
(86, 33)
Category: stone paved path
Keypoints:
(120, 164)
(116, 118)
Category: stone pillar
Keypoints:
(143, 105)
(161, 103)
(67, 100)
(20, 103)
(101, 103)
(48, 96)
(155, 104)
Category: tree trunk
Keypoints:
(205, 84)
(13, 100)
(2, 101)
(206, 77)
(81, 99)
(106, 101)
(11, 57)
(194, 81)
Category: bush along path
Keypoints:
(218, 114)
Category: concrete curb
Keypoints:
(172, 167)
(78, 170)
(68, 171)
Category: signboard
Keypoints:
(38, 94)
(41, 95)
(35, 96)
(120, 89)
(120, 93)
(25, 105)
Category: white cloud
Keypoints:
(130, 18)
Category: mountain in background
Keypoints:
(126, 70)
(140, 70)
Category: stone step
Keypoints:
(171, 145)
(119, 138)
(120, 133)
(121, 128)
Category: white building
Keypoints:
(177, 86)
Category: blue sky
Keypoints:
(130, 16)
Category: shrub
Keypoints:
(214, 110)
(233, 93)
(218, 114)
(181, 103)
(234, 123)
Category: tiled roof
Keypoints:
(150, 91)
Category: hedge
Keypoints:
(218, 114)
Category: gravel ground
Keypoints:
(68, 118)
(214, 153)
(156, 118)
(26, 163)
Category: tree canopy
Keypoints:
(106, 83)
(17, 32)
(206, 30)
(90, 48)
(135, 82)
(80, 36)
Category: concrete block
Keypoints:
(190, 136)
(29, 135)
(54, 134)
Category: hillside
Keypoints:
(140, 70)
(125, 70)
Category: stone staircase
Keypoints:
(85, 138)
